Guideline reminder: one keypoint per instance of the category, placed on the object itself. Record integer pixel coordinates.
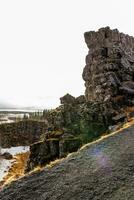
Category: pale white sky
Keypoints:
(42, 48)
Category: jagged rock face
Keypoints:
(22, 133)
(48, 150)
(70, 126)
(109, 70)
(42, 153)
(81, 99)
(67, 99)
(109, 81)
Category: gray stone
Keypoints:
(7, 156)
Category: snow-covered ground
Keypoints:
(6, 164)
(4, 167)
(15, 150)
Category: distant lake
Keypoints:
(16, 110)
(9, 115)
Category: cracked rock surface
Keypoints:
(109, 70)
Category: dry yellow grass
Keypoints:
(17, 169)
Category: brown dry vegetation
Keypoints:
(17, 169)
(130, 109)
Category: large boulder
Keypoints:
(48, 150)
(42, 153)
(67, 99)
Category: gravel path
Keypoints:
(100, 171)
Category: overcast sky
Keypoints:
(42, 48)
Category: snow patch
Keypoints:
(6, 164)
(15, 150)
(4, 167)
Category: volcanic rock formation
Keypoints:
(109, 70)
(104, 169)
(108, 100)
(22, 133)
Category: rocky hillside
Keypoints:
(102, 170)
(108, 99)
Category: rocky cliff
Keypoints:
(71, 125)
(104, 169)
(22, 133)
(109, 70)
(43, 152)
(108, 99)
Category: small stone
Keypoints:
(7, 156)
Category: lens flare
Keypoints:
(101, 158)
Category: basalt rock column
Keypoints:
(109, 70)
